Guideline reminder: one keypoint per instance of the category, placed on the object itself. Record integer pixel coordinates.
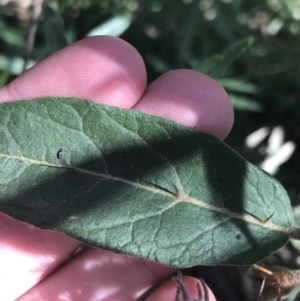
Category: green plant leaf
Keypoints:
(134, 183)
(239, 85)
(54, 31)
(217, 65)
(244, 103)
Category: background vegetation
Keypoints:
(263, 83)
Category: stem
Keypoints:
(36, 9)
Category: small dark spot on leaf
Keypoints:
(59, 154)
(238, 236)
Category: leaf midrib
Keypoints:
(177, 197)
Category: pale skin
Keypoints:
(110, 71)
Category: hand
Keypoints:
(110, 71)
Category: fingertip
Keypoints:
(104, 69)
(192, 99)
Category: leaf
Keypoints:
(217, 65)
(138, 184)
(244, 103)
(239, 85)
(54, 31)
(115, 26)
(11, 35)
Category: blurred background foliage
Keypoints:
(250, 46)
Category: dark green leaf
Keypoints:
(133, 183)
(54, 31)
(4, 76)
(217, 65)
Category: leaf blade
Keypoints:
(135, 183)
(217, 65)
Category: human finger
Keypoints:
(192, 99)
(96, 274)
(103, 69)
